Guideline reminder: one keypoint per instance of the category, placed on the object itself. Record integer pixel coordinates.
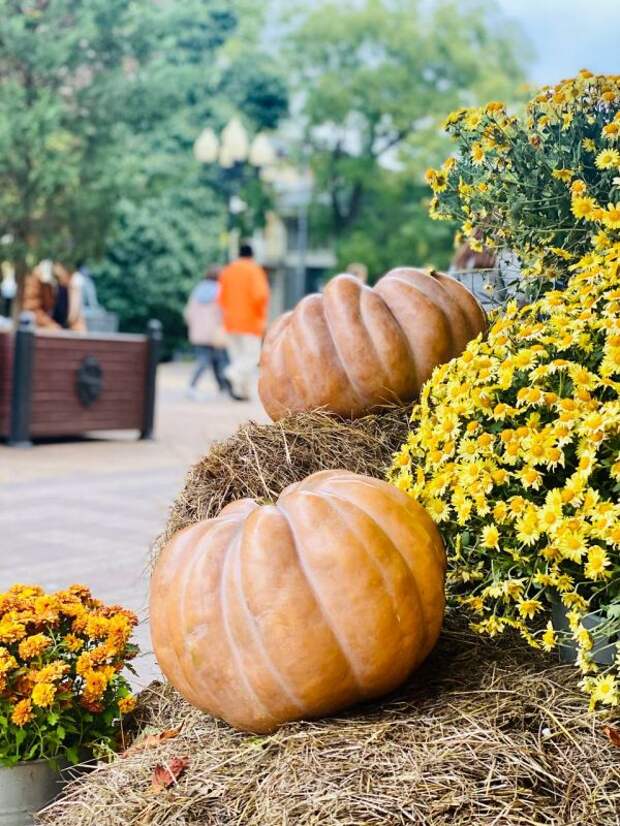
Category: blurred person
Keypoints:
(203, 316)
(465, 259)
(358, 270)
(244, 299)
(8, 288)
(68, 305)
(39, 296)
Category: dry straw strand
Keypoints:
(260, 460)
(485, 733)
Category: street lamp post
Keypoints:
(233, 152)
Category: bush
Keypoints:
(542, 184)
(60, 661)
(514, 450)
(515, 446)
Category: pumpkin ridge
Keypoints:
(352, 387)
(295, 363)
(255, 633)
(404, 336)
(200, 558)
(424, 624)
(416, 517)
(300, 336)
(223, 603)
(273, 355)
(394, 495)
(428, 306)
(177, 644)
(456, 299)
(471, 306)
(364, 316)
(328, 622)
(428, 294)
(470, 331)
(341, 360)
(345, 518)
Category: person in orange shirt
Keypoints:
(244, 299)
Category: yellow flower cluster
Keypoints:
(519, 182)
(514, 450)
(61, 656)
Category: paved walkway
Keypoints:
(87, 511)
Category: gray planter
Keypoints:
(603, 651)
(26, 788)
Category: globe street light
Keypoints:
(232, 151)
(233, 147)
(206, 146)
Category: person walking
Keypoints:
(204, 321)
(244, 299)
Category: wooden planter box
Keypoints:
(66, 384)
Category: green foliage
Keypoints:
(164, 237)
(393, 228)
(543, 183)
(64, 91)
(157, 252)
(373, 81)
(100, 104)
(61, 687)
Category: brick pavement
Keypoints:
(87, 511)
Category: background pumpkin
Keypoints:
(279, 612)
(354, 347)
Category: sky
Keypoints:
(569, 35)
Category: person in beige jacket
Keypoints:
(206, 332)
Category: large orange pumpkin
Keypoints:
(281, 612)
(354, 347)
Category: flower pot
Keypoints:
(603, 651)
(26, 788)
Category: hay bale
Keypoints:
(485, 733)
(260, 460)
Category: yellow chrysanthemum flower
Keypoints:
(605, 690)
(611, 131)
(34, 646)
(549, 638)
(535, 396)
(563, 174)
(43, 694)
(490, 536)
(477, 154)
(22, 713)
(127, 704)
(611, 216)
(583, 206)
(608, 159)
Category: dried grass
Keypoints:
(485, 733)
(260, 460)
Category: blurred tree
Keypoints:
(156, 254)
(372, 83)
(68, 72)
(100, 103)
(162, 241)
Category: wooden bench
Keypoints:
(67, 384)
